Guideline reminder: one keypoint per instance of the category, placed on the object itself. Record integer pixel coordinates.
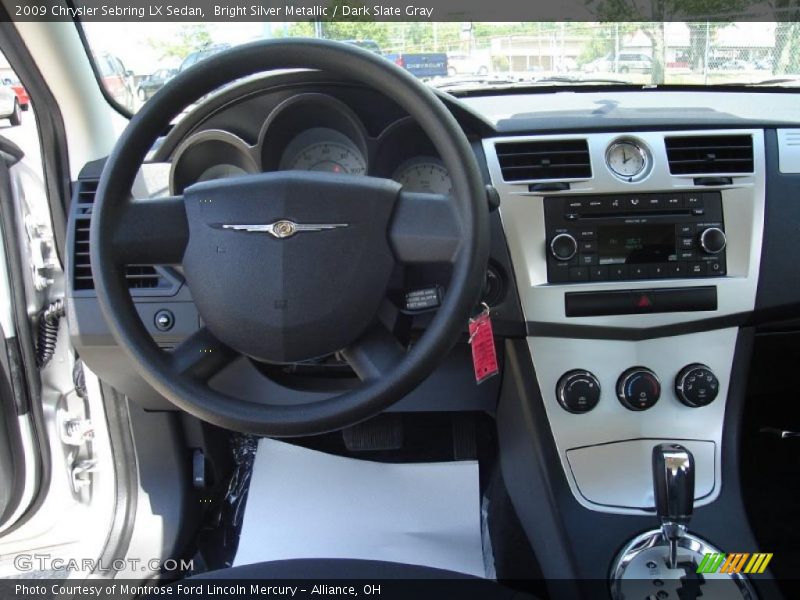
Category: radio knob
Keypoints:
(563, 246)
(713, 240)
(696, 385)
(578, 391)
(638, 388)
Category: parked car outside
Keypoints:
(198, 55)
(22, 94)
(466, 64)
(627, 62)
(9, 105)
(116, 79)
(150, 84)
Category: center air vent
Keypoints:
(709, 154)
(138, 276)
(545, 159)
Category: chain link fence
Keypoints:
(696, 53)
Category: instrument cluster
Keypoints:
(314, 132)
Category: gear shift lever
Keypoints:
(673, 486)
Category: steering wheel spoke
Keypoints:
(425, 228)
(151, 231)
(201, 356)
(375, 354)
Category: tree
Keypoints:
(188, 39)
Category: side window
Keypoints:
(18, 124)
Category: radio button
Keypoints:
(617, 271)
(655, 202)
(587, 260)
(686, 229)
(596, 204)
(659, 271)
(633, 202)
(686, 243)
(579, 274)
(686, 255)
(563, 246)
(674, 201)
(587, 234)
(575, 205)
(697, 269)
(598, 273)
(694, 200)
(587, 246)
(638, 272)
(676, 269)
(715, 267)
(571, 216)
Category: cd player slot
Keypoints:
(644, 213)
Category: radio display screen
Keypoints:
(621, 244)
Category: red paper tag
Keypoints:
(481, 337)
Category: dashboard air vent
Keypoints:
(709, 154)
(138, 276)
(545, 159)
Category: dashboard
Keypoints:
(636, 233)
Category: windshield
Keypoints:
(135, 59)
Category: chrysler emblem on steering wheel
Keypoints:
(284, 228)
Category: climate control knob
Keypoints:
(638, 388)
(713, 240)
(696, 385)
(578, 391)
(563, 246)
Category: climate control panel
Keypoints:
(638, 388)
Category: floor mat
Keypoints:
(308, 504)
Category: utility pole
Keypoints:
(705, 58)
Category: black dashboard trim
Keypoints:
(591, 332)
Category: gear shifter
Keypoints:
(673, 486)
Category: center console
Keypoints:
(633, 280)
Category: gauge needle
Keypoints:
(624, 157)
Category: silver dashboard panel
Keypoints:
(609, 422)
(522, 214)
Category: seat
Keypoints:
(323, 570)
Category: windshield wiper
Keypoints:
(510, 82)
(575, 80)
(778, 81)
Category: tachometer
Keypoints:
(332, 157)
(424, 174)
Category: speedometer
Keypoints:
(332, 157)
(424, 174)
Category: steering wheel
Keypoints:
(286, 266)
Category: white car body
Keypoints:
(8, 102)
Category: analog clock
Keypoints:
(628, 160)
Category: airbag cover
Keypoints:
(286, 299)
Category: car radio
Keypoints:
(634, 236)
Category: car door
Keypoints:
(18, 446)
